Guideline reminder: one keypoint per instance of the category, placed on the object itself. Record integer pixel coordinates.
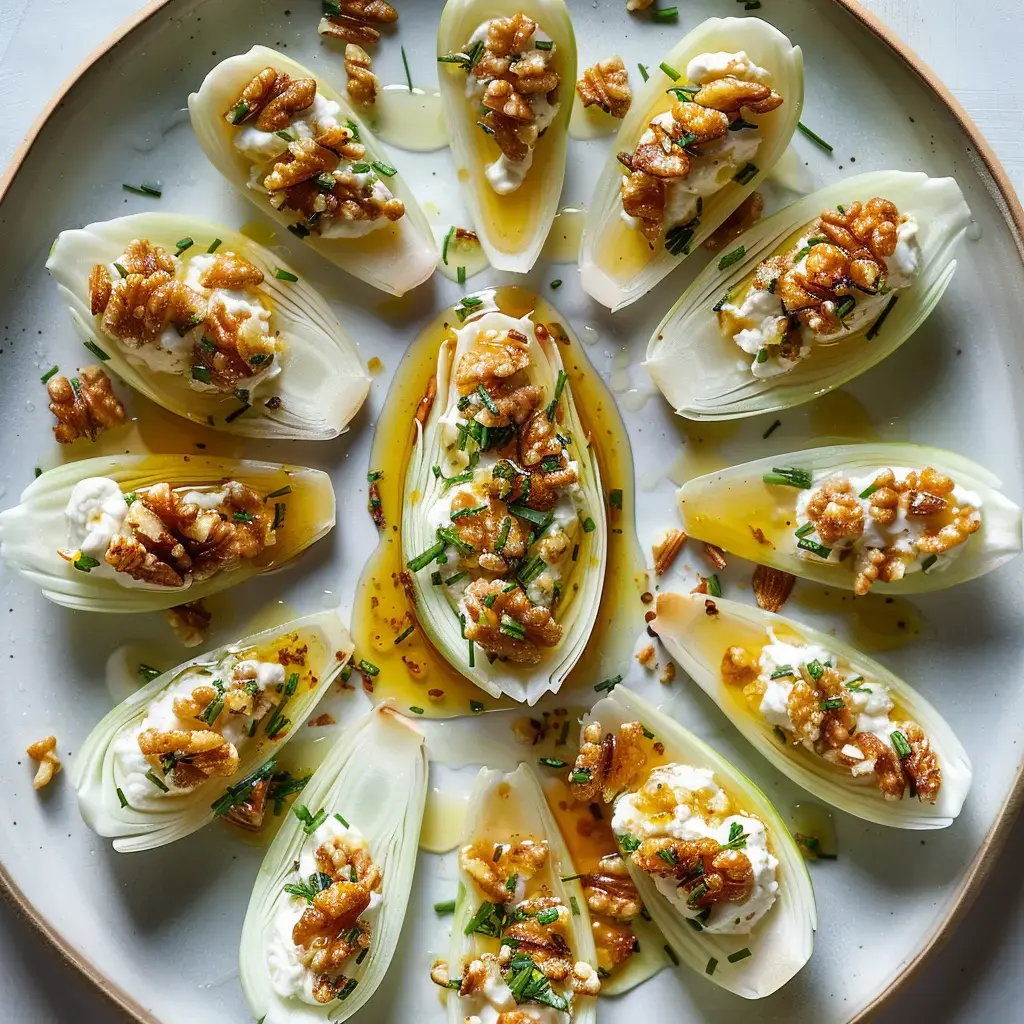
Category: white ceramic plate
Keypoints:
(159, 930)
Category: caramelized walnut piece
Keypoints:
(341, 140)
(835, 512)
(485, 625)
(44, 753)
(610, 763)
(195, 754)
(522, 859)
(738, 667)
(702, 123)
(363, 85)
(921, 765)
(482, 530)
(495, 357)
(355, 22)
(609, 890)
(501, 97)
(506, 36)
(287, 98)
(659, 157)
(643, 197)
(772, 587)
(253, 97)
(725, 876)
(606, 85)
(85, 410)
(304, 160)
(731, 94)
(189, 622)
(100, 287)
(638, 5)
(229, 270)
(888, 769)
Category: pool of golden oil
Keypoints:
(875, 622)
(413, 673)
(587, 836)
(260, 232)
(838, 417)
(590, 122)
(443, 820)
(816, 822)
(409, 119)
(703, 448)
(563, 241)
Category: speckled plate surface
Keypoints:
(159, 930)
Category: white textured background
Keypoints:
(974, 46)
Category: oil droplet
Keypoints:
(590, 122)
(408, 120)
(635, 399)
(619, 379)
(974, 231)
(871, 623)
(443, 819)
(590, 335)
(260, 232)
(563, 241)
(375, 366)
(839, 416)
(815, 831)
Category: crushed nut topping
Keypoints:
(44, 753)
(85, 406)
(707, 873)
(363, 85)
(606, 85)
(356, 21)
(607, 763)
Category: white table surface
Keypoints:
(974, 46)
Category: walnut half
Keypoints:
(85, 405)
(606, 85)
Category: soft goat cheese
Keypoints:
(291, 978)
(685, 781)
(902, 534)
(95, 513)
(494, 998)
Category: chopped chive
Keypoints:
(279, 512)
(506, 526)
(512, 627)
(740, 954)
(243, 517)
(665, 14)
(284, 275)
(929, 562)
(85, 563)
(415, 710)
(782, 671)
(732, 257)
(408, 75)
(235, 413)
(877, 325)
(557, 283)
(900, 744)
(552, 762)
(143, 190)
(712, 964)
(449, 235)
(814, 547)
(831, 704)
(157, 781)
(543, 44)
(746, 174)
(615, 498)
(714, 586)
(789, 476)
(201, 374)
(184, 243)
(463, 512)
(762, 355)
(425, 558)
(814, 137)
(487, 400)
(445, 907)
(215, 245)
(460, 274)
(574, 906)
(643, 72)
(670, 71)
(122, 799)
(454, 579)
(589, 526)
(771, 430)
(368, 668)
(406, 632)
(49, 373)
(868, 491)
(607, 685)
(382, 168)
(280, 492)
(96, 350)
(342, 820)
(148, 673)
(580, 775)
(804, 530)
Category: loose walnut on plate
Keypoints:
(85, 406)
(666, 549)
(355, 21)
(609, 763)
(190, 622)
(44, 753)
(606, 85)
(362, 84)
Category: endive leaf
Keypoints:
(32, 532)
(705, 375)
(724, 508)
(395, 257)
(148, 819)
(507, 808)
(617, 266)
(512, 228)
(780, 944)
(322, 381)
(697, 641)
(438, 609)
(375, 777)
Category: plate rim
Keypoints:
(1013, 214)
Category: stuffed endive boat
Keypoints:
(810, 297)
(900, 518)
(290, 142)
(328, 906)
(522, 944)
(507, 76)
(228, 335)
(504, 528)
(833, 720)
(198, 741)
(714, 863)
(712, 120)
(137, 533)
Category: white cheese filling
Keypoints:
(493, 998)
(130, 765)
(94, 515)
(764, 322)
(902, 534)
(691, 785)
(289, 976)
(505, 175)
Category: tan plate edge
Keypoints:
(1013, 212)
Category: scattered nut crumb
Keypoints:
(666, 549)
(638, 5)
(760, 537)
(45, 752)
(668, 673)
(646, 657)
(772, 587)
(324, 719)
(190, 622)
(715, 555)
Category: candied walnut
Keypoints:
(712, 875)
(512, 408)
(501, 97)
(522, 859)
(100, 288)
(702, 123)
(609, 890)
(511, 627)
(837, 724)
(256, 93)
(584, 979)
(229, 270)
(84, 406)
(538, 440)
(666, 549)
(965, 521)
(772, 587)
(506, 36)
(339, 859)
(643, 197)
(646, 656)
(189, 756)
(885, 564)
(326, 930)
(341, 140)
(363, 85)
(482, 530)
(249, 814)
(614, 941)
(804, 709)
(533, 73)
(129, 555)
(440, 973)
(192, 706)
(638, 5)
(141, 306)
(44, 753)
(888, 768)
(659, 157)
(743, 217)
(835, 512)
(234, 345)
(288, 97)
(606, 85)
(144, 258)
(190, 623)
(738, 666)
(494, 357)
(546, 944)
(508, 134)
(730, 94)
(305, 159)
(921, 764)
(610, 764)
